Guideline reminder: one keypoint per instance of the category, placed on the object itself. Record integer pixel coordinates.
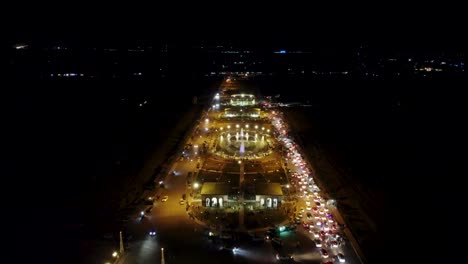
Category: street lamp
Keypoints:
(115, 254)
(196, 185)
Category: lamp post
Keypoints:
(121, 244)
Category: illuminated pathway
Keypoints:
(185, 241)
(241, 200)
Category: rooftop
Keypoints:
(268, 189)
(215, 188)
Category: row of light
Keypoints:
(246, 126)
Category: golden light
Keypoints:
(256, 126)
(207, 120)
(268, 130)
(115, 254)
(196, 185)
(221, 128)
(263, 128)
(247, 126)
(228, 126)
(240, 161)
(237, 125)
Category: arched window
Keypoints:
(262, 202)
(220, 201)
(269, 202)
(275, 202)
(214, 202)
(207, 202)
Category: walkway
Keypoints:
(241, 200)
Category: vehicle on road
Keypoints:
(324, 253)
(225, 235)
(164, 199)
(318, 243)
(340, 257)
(277, 241)
(284, 257)
(152, 232)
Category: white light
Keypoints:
(247, 126)
(115, 254)
(256, 126)
(207, 120)
(142, 213)
(228, 127)
(237, 125)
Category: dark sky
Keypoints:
(285, 24)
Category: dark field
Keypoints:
(387, 151)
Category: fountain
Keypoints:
(243, 143)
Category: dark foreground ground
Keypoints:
(394, 151)
(76, 156)
(389, 153)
